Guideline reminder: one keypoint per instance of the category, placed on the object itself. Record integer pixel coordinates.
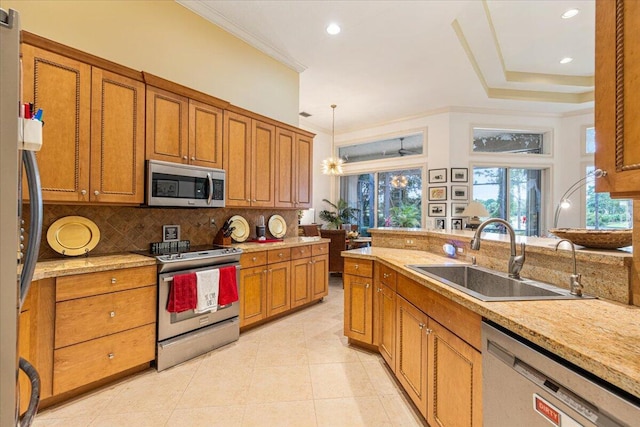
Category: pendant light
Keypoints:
(332, 165)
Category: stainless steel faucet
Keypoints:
(515, 261)
(575, 280)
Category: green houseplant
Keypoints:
(405, 215)
(341, 213)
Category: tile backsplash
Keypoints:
(124, 229)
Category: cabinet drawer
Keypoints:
(90, 284)
(358, 267)
(387, 276)
(322, 249)
(298, 252)
(278, 255)
(93, 360)
(253, 259)
(84, 319)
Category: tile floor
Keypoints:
(296, 371)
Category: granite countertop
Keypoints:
(90, 264)
(599, 336)
(286, 243)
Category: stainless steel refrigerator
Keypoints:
(14, 252)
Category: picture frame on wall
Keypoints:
(456, 223)
(438, 209)
(439, 224)
(459, 192)
(458, 208)
(170, 233)
(437, 193)
(437, 176)
(459, 175)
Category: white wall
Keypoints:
(168, 40)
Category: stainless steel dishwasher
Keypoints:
(523, 386)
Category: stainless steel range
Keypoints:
(185, 335)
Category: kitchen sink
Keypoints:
(488, 285)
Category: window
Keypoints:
(513, 194)
(409, 145)
(590, 140)
(486, 140)
(603, 212)
(390, 199)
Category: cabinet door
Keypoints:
(285, 180)
(24, 350)
(411, 352)
(300, 281)
(61, 87)
(253, 295)
(358, 308)
(303, 171)
(263, 164)
(320, 277)
(455, 380)
(205, 135)
(385, 323)
(167, 126)
(117, 138)
(237, 159)
(617, 100)
(278, 288)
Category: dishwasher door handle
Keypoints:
(502, 354)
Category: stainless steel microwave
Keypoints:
(177, 185)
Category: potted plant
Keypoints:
(342, 213)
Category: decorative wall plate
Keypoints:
(241, 232)
(73, 235)
(277, 226)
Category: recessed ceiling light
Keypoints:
(566, 60)
(333, 29)
(570, 13)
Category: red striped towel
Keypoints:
(228, 292)
(183, 295)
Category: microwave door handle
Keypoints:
(210, 188)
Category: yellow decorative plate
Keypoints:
(73, 235)
(241, 232)
(277, 226)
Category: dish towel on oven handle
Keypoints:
(182, 295)
(228, 286)
(208, 290)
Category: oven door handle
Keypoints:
(210, 188)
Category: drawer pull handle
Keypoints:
(112, 314)
(111, 355)
(113, 280)
(357, 266)
(280, 254)
(367, 286)
(254, 258)
(385, 275)
(379, 289)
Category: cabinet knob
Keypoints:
(280, 254)
(309, 262)
(255, 200)
(357, 266)
(385, 275)
(367, 286)
(83, 192)
(96, 192)
(193, 159)
(271, 270)
(254, 258)
(428, 331)
(112, 314)
(184, 157)
(111, 355)
(421, 325)
(248, 200)
(113, 280)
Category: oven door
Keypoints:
(174, 324)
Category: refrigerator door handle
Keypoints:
(34, 400)
(35, 227)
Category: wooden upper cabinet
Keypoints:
(61, 87)
(617, 101)
(294, 156)
(93, 141)
(249, 151)
(205, 135)
(117, 138)
(167, 126)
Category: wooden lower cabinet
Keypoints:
(253, 295)
(319, 277)
(358, 308)
(411, 355)
(301, 281)
(385, 323)
(278, 288)
(455, 380)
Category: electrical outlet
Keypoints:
(212, 222)
(460, 250)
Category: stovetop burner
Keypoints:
(195, 257)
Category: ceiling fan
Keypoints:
(402, 151)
